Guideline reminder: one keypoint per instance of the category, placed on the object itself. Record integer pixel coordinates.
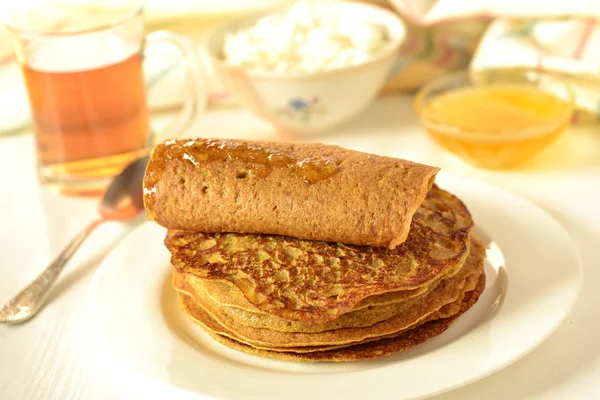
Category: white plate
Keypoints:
(533, 277)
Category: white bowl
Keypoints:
(312, 102)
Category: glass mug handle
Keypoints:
(197, 93)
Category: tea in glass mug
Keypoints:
(82, 64)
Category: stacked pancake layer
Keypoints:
(297, 299)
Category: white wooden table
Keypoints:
(57, 355)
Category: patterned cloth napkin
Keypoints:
(433, 46)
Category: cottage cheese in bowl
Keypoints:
(311, 67)
(301, 40)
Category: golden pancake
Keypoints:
(227, 294)
(305, 190)
(266, 338)
(364, 351)
(362, 317)
(199, 315)
(448, 291)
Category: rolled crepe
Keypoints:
(310, 191)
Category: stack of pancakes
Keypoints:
(311, 298)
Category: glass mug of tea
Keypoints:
(82, 64)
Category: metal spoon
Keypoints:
(122, 201)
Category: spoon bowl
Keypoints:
(123, 200)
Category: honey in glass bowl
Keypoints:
(495, 120)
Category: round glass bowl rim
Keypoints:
(457, 131)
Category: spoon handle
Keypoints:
(24, 305)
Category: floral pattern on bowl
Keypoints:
(300, 109)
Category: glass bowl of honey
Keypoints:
(495, 119)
